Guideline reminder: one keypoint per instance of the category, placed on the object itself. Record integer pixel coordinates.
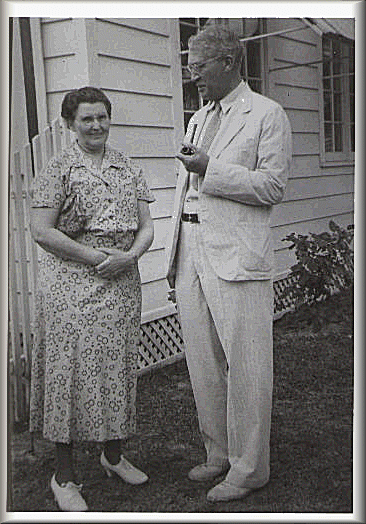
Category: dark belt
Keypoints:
(190, 217)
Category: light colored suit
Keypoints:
(249, 164)
(221, 269)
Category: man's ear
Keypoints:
(229, 62)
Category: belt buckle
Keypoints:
(192, 218)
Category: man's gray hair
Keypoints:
(216, 40)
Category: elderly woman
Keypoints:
(90, 214)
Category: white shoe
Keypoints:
(225, 491)
(68, 496)
(125, 470)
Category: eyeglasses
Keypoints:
(197, 68)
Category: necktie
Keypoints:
(210, 133)
(212, 128)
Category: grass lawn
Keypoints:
(311, 439)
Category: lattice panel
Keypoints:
(282, 301)
(160, 340)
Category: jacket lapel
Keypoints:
(235, 122)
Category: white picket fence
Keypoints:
(23, 259)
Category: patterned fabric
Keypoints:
(87, 328)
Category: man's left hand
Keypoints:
(195, 162)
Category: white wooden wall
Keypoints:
(315, 194)
(136, 62)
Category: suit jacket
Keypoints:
(249, 164)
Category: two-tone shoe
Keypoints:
(124, 469)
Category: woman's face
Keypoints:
(91, 125)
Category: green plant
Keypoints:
(324, 264)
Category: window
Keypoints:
(191, 99)
(338, 98)
(252, 67)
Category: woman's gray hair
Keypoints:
(216, 40)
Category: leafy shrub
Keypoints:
(324, 264)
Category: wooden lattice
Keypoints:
(282, 301)
(160, 341)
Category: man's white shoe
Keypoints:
(225, 491)
(205, 472)
(68, 496)
(124, 469)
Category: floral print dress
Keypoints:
(84, 361)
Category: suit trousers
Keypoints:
(227, 331)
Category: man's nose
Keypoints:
(96, 123)
(195, 76)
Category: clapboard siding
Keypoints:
(161, 229)
(143, 141)
(66, 62)
(297, 76)
(305, 165)
(160, 26)
(306, 143)
(134, 58)
(137, 63)
(61, 36)
(303, 120)
(318, 225)
(152, 265)
(155, 298)
(304, 188)
(314, 194)
(159, 172)
(296, 97)
(163, 206)
(132, 61)
(294, 212)
(64, 73)
(296, 51)
(120, 73)
(128, 42)
(141, 109)
(302, 34)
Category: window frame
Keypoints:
(346, 156)
(187, 113)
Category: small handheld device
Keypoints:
(186, 150)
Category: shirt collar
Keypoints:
(111, 157)
(228, 100)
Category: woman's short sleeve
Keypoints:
(47, 189)
(142, 189)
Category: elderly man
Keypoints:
(235, 163)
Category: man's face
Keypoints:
(208, 75)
